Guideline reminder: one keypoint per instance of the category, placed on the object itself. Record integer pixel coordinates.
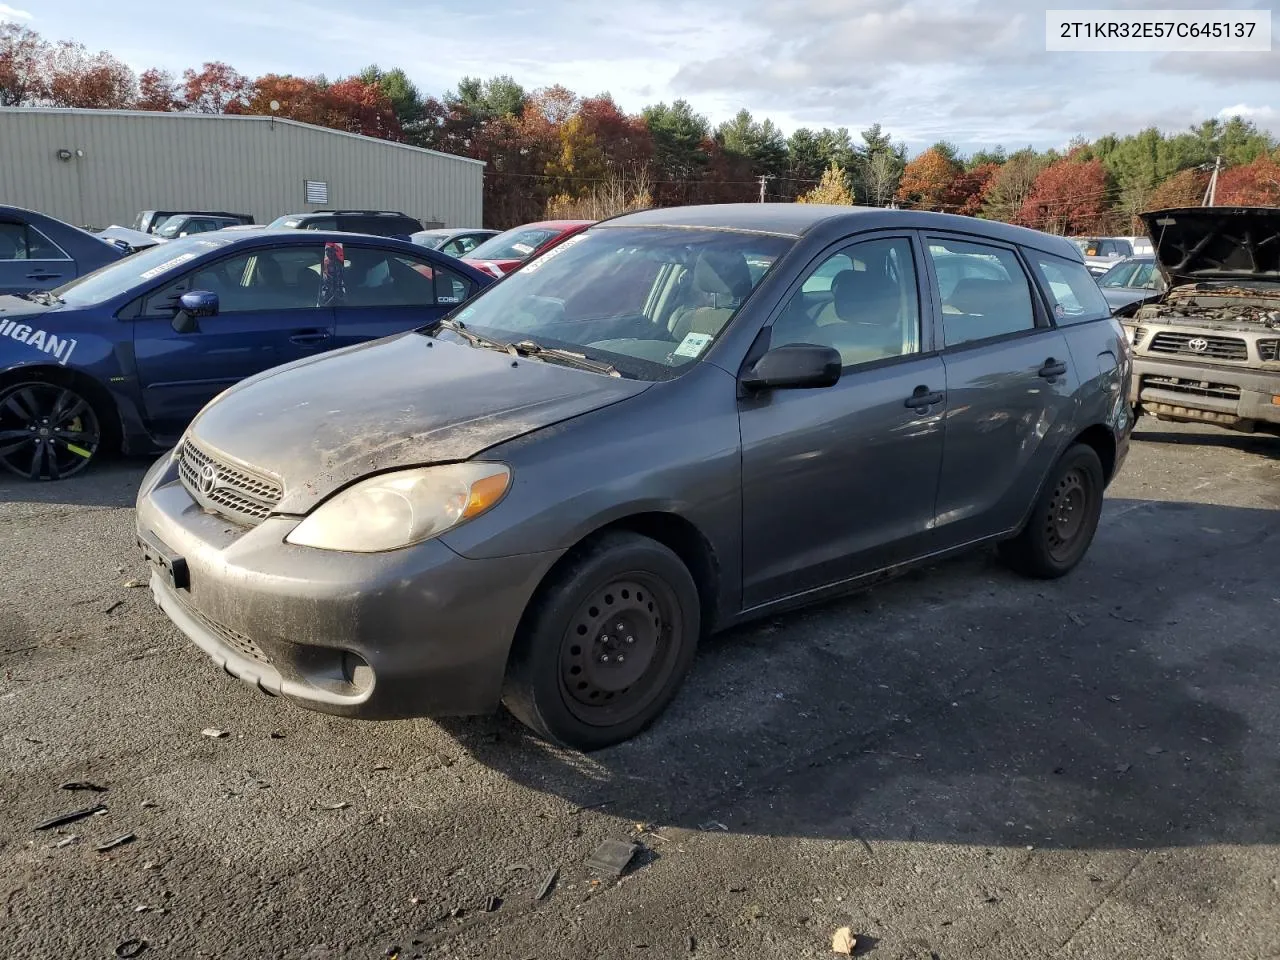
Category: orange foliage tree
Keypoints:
(1184, 189)
(1254, 184)
(1067, 197)
(927, 180)
(216, 88)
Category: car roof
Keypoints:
(800, 219)
(552, 224)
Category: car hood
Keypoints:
(13, 307)
(1196, 244)
(321, 423)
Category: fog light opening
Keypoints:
(356, 672)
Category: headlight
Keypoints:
(398, 509)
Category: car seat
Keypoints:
(721, 277)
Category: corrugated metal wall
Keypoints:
(135, 160)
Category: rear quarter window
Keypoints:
(1073, 292)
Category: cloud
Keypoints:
(13, 13)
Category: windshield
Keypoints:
(646, 299)
(514, 244)
(1121, 275)
(285, 221)
(121, 276)
(171, 226)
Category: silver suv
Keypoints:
(1208, 349)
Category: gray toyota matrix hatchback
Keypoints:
(674, 422)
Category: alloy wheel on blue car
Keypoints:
(47, 431)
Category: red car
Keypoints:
(501, 254)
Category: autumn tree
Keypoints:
(1255, 184)
(928, 179)
(406, 101)
(1011, 185)
(968, 191)
(74, 77)
(1184, 189)
(158, 90)
(1067, 197)
(833, 188)
(22, 58)
(623, 139)
(299, 98)
(359, 107)
(216, 88)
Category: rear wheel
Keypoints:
(606, 643)
(1064, 519)
(47, 431)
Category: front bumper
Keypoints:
(415, 632)
(1206, 393)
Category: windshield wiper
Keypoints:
(47, 297)
(473, 338)
(531, 348)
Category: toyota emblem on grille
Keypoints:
(208, 478)
(1198, 344)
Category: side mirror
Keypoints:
(794, 366)
(191, 307)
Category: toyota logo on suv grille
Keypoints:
(1198, 344)
(208, 478)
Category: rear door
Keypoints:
(1010, 390)
(390, 291)
(31, 261)
(272, 309)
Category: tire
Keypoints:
(48, 430)
(605, 643)
(1064, 519)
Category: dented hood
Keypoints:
(1197, 244)
(319, 424)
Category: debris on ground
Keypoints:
(1076, 619)
(82, 785)
(151, 865)
(117, 842)
(547, 884)
(417, 901)
(589, 806)
(113, 606)
(148, 804)
(612, 857)
(843, 941)
(213, 733)
(381, 766)
(713, 825)
(492, 903)
(277, 735)
(1155, 751)
(131, 948)
(71, 817)
(458, 913)
(134, 584)
(339, 805)
(1124, 767)
(692, 943)
(65, 841)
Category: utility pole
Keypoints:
(764, 178)
(1211, 194)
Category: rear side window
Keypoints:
(20, 241)
(1073, 293)
(988, 296)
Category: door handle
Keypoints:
(309, 336)
(1052, 368)
(922, 396)
(44, 276)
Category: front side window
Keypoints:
(863, 301)
(378, 278)
(1073, 292)
(286, 278)
(649, 300)
(1121, 275)
(991, 298)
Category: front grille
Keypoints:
(235, 494)
(1269, 349)
(1197, 345)
(1139, 334)
(234, 639)
(1197, 388)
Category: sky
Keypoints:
(974, 73)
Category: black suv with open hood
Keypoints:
(1208, 349)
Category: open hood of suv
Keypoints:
(1196, 244)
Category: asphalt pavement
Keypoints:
(957, 764)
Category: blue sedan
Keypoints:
(127, 355)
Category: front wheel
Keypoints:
(605, 644)
(47, 431)
(1064, 519)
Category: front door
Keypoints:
(387, 291)
(839, 481)
(1010, 389)
(269, 312)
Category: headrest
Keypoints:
(863, 295)
(723, 274)
(979, 295)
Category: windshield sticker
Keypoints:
(693, 344)
(553, 252)
(59, 347)
(166, 266)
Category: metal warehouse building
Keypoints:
(101, 167)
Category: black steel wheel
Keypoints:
(1064, 519)
(605, 644)
(47, 431)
